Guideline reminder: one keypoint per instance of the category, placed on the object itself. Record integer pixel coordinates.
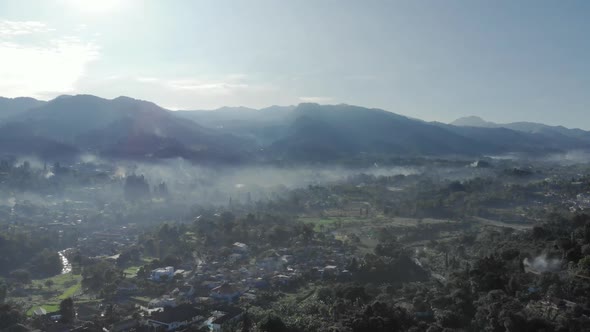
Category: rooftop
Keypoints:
(183, 312)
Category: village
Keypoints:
(206, 292)
(312, 258)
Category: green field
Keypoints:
(49, 307)
(131, 272)
(329, 222)
(64, 286)
(141, 300)
(71, 291)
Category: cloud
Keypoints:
(189, 92)
(319, 100)
(225, 85)
(216, 87)
(45, 66)
(18, 28)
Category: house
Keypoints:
(40, 312)
(260, 283)
(54, 316)
(281, 279)
(330, 271)
(180, 273)
(174, 318)
(240, 247)
(162, 273)
(220, 319)
(287, 259)
(225, 292)
(186, 291)
(164, 301)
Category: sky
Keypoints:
(504, 60)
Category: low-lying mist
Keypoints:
(185, 181)
(543, 264)
(217, 185)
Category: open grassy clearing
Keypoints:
(40, 295)
(131, 272)
(49, 307)
(70, 291)
(330, 222)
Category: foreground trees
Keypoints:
(67, 310)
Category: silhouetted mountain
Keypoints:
(126, 127)
(473, 121)
(343, 131)
(9, 107)
(263, 125)
(232, 116)
(17, 140)
(527, 127)
(503, 140)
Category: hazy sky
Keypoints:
(435, 60)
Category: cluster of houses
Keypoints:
(207, 296)
(106, 242)
(185, 315)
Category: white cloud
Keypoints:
(18, 28)
(216, 87)
(185, 92)
(44, 68)
(222, 86)
(319, 100)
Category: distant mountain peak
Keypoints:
(20, 99)
(473, 121)
(10, 107)
(125, 98)
(237, 108)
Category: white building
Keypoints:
(158, 273)
(164, 301)
(240, 247)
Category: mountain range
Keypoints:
(526, 127)
(135, 129)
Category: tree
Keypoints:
(584, 265)
(272, 323)
(3, 291)
(67, 311)
(46, 263)
(9, 315)
(246, 323)
(48, 283)
(21, 275)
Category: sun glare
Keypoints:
(96, 6)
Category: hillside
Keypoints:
(128, 128)
(125, 127)
(10, 107)
(526, 127)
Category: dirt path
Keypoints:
(496, 223)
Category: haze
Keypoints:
(294, 166)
